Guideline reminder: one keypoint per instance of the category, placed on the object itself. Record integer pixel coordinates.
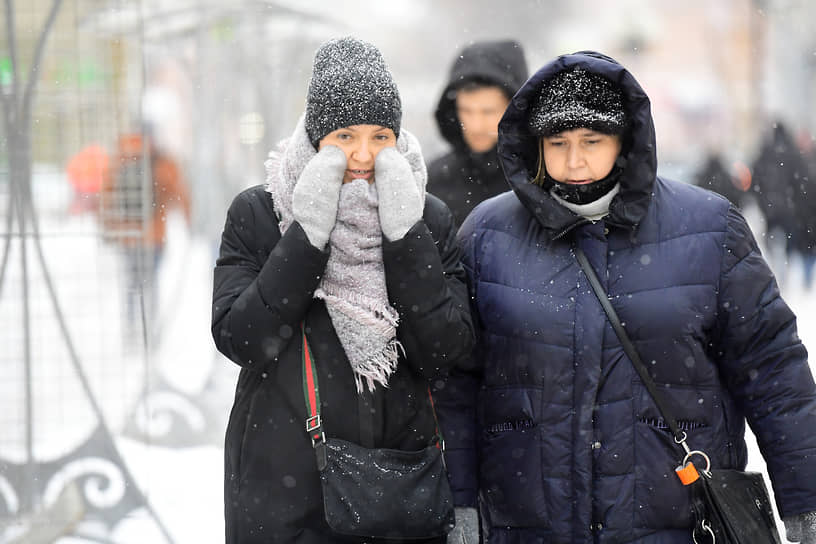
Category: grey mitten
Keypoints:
(316, 193)
(400, 204)
(801, 528)
(466, 530)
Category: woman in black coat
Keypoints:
(344, 242)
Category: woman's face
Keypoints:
(360, 143)
(580, 156)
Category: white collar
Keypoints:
(595, 210)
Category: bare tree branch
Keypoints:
(25, 108)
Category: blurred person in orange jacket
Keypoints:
(134, 205)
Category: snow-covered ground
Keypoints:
(165, 406)
(182, 481)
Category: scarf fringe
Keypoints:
(379, 368)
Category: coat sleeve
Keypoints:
(435, 176)
(456, 396)
(766, 369)
(258, 300)
(426, 285)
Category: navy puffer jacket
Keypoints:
(551, 428)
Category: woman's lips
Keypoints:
(361, 174)
(580, 181)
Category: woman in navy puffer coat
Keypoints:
(551, 432)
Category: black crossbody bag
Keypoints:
(378, 492)
(730, 506)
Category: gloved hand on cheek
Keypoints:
(317, 192)
(400, 203)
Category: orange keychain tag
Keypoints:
(688, 473)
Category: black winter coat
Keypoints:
(462, 178)
(263, 290)
(552, 429)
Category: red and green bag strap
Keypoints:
(311, 394)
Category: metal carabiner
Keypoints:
(707, 470)
(682, 441)
(704, 524)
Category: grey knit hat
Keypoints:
(578, 99)
(350, 85)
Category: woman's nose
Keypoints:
(574, 157)
(362, 152)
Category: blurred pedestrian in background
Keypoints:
(714, 176)
(86, 171)
(779, 176)
(552, 434)
(140, 189)
(344, 248)
(483, 78)
(804, 241)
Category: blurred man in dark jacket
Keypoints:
(483, 78)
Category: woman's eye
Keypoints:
(382, 137)
(593, 141)
(344, 137)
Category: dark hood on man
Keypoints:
(499, 63)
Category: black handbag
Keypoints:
(378, 492)
(733, 506)
(729, 506)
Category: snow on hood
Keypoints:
(518, 149)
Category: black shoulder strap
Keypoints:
(628, 346)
